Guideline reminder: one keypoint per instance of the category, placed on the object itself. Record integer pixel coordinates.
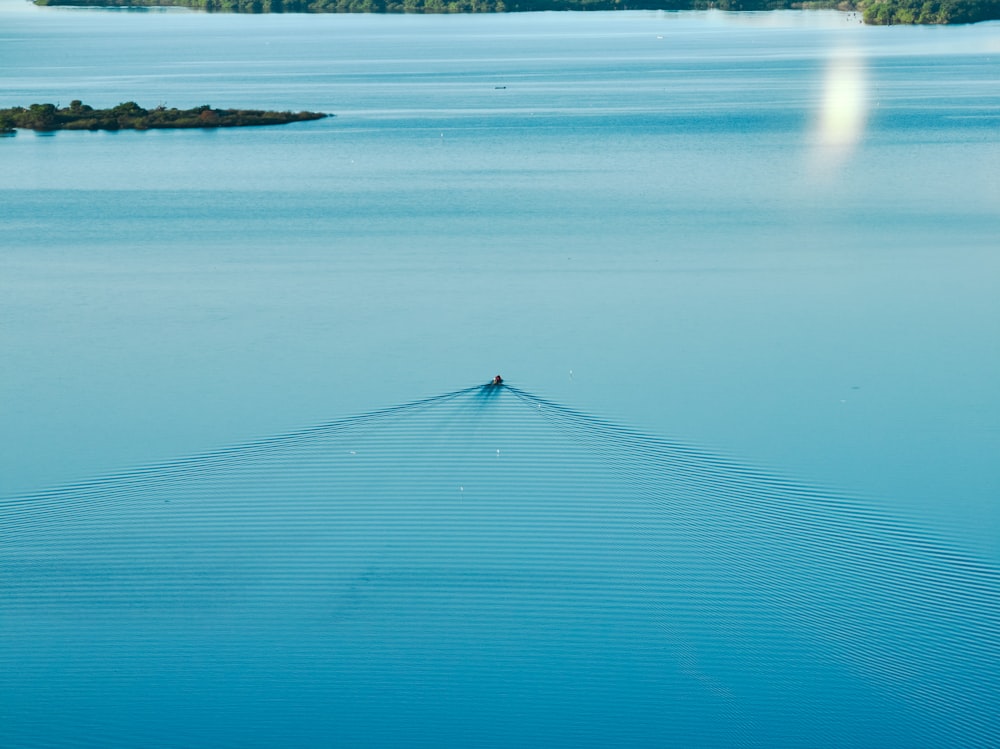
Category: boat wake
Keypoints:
(485, 568)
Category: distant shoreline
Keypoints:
(877, 12)
(130, 116)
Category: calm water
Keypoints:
(770, 235)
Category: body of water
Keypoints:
(770, 236)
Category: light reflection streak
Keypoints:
(843, 111)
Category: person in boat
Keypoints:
(498, 380)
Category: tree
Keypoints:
(128, 109)
(42, 117)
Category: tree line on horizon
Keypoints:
(454, 6)
(880, 12)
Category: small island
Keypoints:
(130, 116)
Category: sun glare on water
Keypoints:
(843, 111)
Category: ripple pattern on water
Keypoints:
(484, 568)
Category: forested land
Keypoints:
(130, 116)
(874, 11)
(450, 6)
(888, 12)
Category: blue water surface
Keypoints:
(770, 237)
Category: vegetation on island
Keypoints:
(130, 116)
(889, 12)
(874, 11)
